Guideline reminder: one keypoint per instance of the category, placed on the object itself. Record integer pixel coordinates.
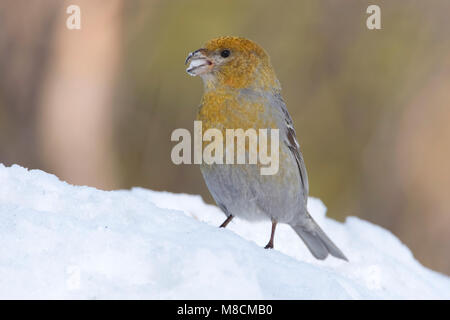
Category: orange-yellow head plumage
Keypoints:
(227, 65)
(233, 63)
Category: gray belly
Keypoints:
(242, 191)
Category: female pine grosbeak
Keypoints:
(242, 91)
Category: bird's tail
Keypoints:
(316, 240)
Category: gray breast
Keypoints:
(240, 190)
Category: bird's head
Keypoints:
(234, 63)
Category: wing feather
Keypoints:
(294, 146)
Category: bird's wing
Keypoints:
(293, 145)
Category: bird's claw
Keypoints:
(269, 246)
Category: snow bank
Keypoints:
(61, 241)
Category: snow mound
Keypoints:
(60, 241)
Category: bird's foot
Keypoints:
(226, 222)
(272, 235)
(269, 245)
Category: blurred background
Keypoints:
(371, 108)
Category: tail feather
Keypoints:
(317, 241)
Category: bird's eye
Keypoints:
(225, 53)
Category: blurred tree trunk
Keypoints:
(410, 181)
(26, 29)
(75, 120)
(422, 164)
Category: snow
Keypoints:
(60, 241)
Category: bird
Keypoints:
(241, 90)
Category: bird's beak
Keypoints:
(199, 63)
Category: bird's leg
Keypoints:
(270, 244)
(226, 222)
